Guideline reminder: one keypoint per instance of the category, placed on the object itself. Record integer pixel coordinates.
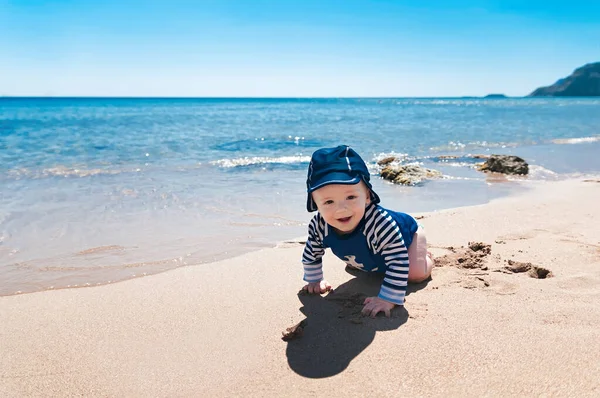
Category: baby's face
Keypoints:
(342, 206)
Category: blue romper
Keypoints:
(378, 244)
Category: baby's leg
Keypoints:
(419, 260)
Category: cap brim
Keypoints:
(334, 178)
(311, 206)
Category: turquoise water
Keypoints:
(99, 190)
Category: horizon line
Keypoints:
(489, 96)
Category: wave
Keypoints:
(449, 177)
(269, 143)
(541, 173)
(466, 160)
(61, 171)
(580, 140)
(460, 146)
(258, 160)
(459, 164)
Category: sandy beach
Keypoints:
(518, 317)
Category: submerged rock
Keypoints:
(446, 157)
(387, 160)
(505, 164)
(410, 174)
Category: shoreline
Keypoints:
(69, 268)
(395, 195)
(487, 329)
(505, 189)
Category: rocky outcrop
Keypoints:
(583, 82)
(505, 164)
(410, 174)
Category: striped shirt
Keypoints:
(378, 244)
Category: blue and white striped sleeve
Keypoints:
(314, 251)
(388, 240)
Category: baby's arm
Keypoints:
(312, 258)
(384, 237)
(395, 255)
(393, 287)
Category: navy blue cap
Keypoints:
(339, 165)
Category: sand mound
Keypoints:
(473, 256)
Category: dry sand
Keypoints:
(481, 326)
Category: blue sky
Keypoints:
(292, 48)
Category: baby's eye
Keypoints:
(352, 197)
(328, 202)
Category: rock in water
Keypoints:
(410, 174)
(387, 160)
(506, 164)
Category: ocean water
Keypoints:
(98, 190)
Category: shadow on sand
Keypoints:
(335, 332)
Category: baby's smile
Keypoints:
(344, 220)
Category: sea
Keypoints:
(100, 190)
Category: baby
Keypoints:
(363, 234)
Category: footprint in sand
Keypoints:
(503, 288)
(473, 282)
(533, 271)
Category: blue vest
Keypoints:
(354, 250)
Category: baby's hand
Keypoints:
(317, 287)
(374, 305)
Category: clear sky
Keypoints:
(289, 48)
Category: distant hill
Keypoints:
(495, 96)
(583, 82)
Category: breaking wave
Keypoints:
(460, 146)
(258, 160)
(541, 173)
(579, 140)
